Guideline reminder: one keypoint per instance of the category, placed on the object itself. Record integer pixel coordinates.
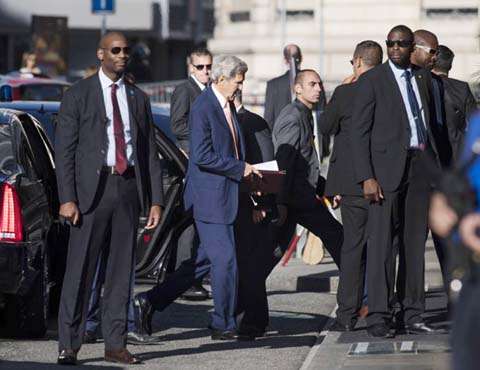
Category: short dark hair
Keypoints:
(287, 52)
(404, 29)
(300, 74)
(444, 59)
(200, 51)
(370, 52)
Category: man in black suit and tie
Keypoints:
(200, 66)
(391, 137)
(341, 185)
(253, 237)
(107, 170)
(459, 101)
(299, 201)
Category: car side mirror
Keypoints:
(6, 93)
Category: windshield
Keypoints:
(48, 92)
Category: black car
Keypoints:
(32, 243)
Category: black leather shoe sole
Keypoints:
(224, 335)
(64, 359)
(379, 331)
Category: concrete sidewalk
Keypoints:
(355, 350)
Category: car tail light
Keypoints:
(10, 215)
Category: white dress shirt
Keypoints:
(200, 85)
(106, 83)
(399, 74)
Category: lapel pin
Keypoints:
(132, 92)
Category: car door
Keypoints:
(154, 247)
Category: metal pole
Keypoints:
(104, 25)
(321, 45)
(283, 23)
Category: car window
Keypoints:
(43, 160)
(48, 92)
(26, 158)
(45, 141)
(8, 163)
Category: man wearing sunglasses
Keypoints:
(425, 56)
(107, 170)
(200, 66)
(390, 137)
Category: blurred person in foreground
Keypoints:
(455, 214)
(341, 186)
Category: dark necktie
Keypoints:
(120, 146)
(417, 114)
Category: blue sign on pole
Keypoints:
(103, 6)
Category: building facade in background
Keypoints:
(328, 30)
(162, 31)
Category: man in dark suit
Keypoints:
(458, 98)
(299, 201)
(391, 137)
(215, 169)
(200, 66)
(341, 185)
(253, 237)
(280, 92)
(107, 169)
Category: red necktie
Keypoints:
(228, 115)
(120, 146)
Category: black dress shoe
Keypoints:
(196, 293)
(338, 326)
(145, 312)
(419, 328)
(121, 356)
(89, 337)
(136, 338)
(248, 333)
(67, 357)
(224, 334)
(379, 330)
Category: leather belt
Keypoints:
(111, 170)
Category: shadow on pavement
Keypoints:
(27, 365)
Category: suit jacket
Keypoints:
(181, 102)
(459, 107)
(337, 120)
(257, 135)
(80, 139)
(380, 135)
(295, 153)
(214, 172)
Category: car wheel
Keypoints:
(27, 316)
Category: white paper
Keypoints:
(267, 166)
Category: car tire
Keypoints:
(27, 316)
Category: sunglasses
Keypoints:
(400, 43)
(117, 49)
(199, 67)
(427, 49)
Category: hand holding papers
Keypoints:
(270, 183)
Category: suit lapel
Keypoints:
(397, 93)
(239, 132)
(132, 110)
(422, 89)
(195, 86)
(98, 99)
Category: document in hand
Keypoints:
(270, 183)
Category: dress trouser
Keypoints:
(215, 254)
(354, 211)
(403, 213)
(112, 222)
(93, 319)
(319, 221)
(255, 246)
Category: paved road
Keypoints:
(297, 317)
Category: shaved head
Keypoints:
(425, 38)
(107, 39)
